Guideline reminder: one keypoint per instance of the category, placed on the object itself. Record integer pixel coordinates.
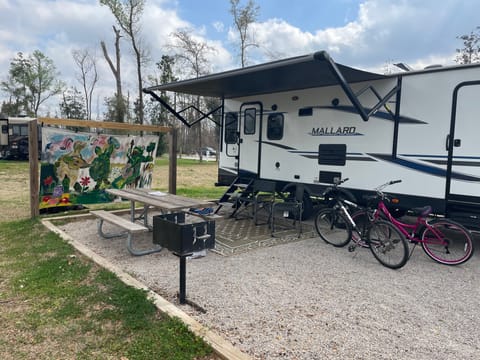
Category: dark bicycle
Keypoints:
(336, 226)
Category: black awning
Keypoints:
(296, 73)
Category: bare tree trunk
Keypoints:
(120, 103)
(87, 77)
(243, 17)
(128, 14)
(138, 57)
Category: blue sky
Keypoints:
(309, 15)
(368, 34)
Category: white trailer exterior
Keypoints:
(308, 120)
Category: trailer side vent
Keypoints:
(305, 111)
(332, 154)
(328, 177)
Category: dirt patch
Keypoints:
(14, 192)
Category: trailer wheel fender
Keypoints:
(342, 193)
(307, 201)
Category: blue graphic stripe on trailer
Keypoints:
(425, 168)
(281, 146)
(439, 156)
(454, 162)
(349, 158)
(443, 159)
(314, 154)
(379, 114)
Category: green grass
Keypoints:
(163, 161)
(12, 165)
(201, 193)
(61, 305)
(205, 191)
(56, 304)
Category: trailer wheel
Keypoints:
(307, 206)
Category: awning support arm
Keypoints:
(323, 56)
(203, 114)
(381, 101)
(178, 115)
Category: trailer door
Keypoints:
(463, 147)
(250, 137)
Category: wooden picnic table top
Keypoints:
(159, 199)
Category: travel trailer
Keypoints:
(15, 132)
(310, 120)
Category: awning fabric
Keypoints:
(295, 73)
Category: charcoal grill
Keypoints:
(183, 235)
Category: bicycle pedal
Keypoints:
(351, 248)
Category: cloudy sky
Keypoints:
(367, 34)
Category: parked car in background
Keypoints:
(207, 151)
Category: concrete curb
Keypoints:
(222, 348)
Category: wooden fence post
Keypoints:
(172, 165)
(33, 161)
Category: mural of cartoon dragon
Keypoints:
(131, 171)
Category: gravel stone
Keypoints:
(309, 300)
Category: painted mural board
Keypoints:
(77, 167)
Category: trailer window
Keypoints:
(249, 121)
(332, 154)
(231, 128)
(275, 126)
(18, 130)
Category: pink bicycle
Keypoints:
(443, 240)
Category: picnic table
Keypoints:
(162, 201)
(165, 202)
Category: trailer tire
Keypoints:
(307, 206)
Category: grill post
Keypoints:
(183, 278)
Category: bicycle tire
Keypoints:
(333, 227)
(388, 244)
(362, 222)
(456, 246)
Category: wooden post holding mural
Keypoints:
(33, 162)
(172, 165)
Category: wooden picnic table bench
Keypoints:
(130, 228)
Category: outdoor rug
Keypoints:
(234, 236)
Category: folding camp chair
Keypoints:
(290, 208)
(261, 197)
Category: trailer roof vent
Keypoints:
(434, 66)
(403, 66)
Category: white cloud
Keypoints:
(409, 31)
(62, 26)
(219, 26)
